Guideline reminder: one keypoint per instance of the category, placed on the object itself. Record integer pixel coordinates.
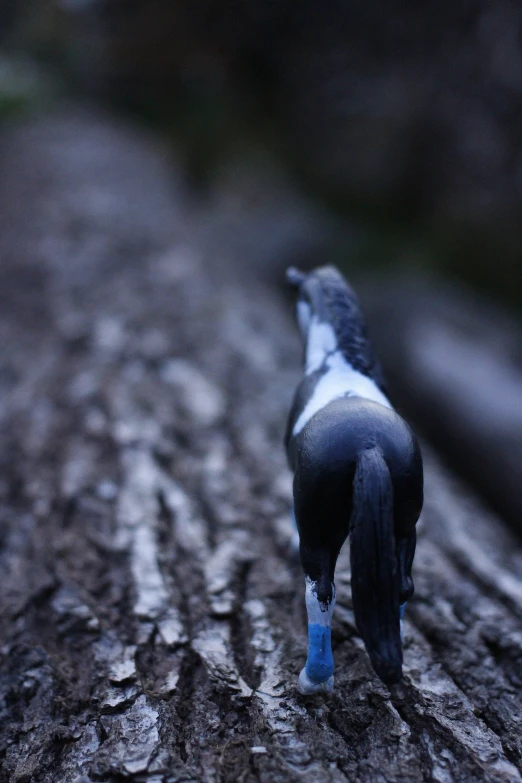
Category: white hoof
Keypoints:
(307, 687)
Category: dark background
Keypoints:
(403, 119)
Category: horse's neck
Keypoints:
(321, 342)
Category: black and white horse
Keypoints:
(357, 471)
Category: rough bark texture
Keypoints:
(152, 618)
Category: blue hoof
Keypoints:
(320, 664)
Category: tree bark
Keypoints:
(153, 619)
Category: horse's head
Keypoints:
(324, 296)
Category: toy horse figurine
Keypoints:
(357, 471)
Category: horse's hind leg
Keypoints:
(405, 554)
(319, 567)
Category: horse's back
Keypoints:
(339, 431)
(328, 448)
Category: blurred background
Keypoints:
(402, 120)
(384, 137)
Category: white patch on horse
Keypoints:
(304, 317)
(321, 341)
(339, 380)
(318, 613)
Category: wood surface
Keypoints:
(152, 615)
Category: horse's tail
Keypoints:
(375, 576)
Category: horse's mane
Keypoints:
(333, 300)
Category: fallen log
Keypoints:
(455, 365)
(153, 621)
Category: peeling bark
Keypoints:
(153, 618)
